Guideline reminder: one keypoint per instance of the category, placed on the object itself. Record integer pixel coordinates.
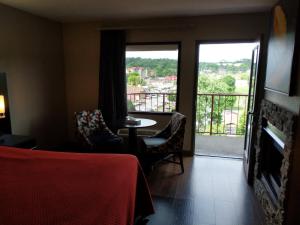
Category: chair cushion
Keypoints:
(153, 142)
(105, 138)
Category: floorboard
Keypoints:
(212, 191)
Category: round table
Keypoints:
(132, 134)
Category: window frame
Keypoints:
(178, 43)
(198, 42)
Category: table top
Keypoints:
(144, 123)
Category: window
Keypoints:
(152, 75)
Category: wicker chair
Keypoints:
(168, 142)
(94, 134)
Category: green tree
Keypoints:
(135, 79)
(130, 106)
(241, 128)
(208, 85)
(160, 67)
(230, 81)
(172, 98)
(230, 88)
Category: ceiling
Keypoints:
(91, 10)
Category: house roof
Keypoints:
(91, 10)
(135, 89)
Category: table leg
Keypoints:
(132, 140)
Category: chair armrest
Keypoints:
(165, 133)
(173, 134)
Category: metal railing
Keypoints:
(151, 102)
(221, 114)
(216, 114)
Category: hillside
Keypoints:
(166, 67)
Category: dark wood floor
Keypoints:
(212, 191)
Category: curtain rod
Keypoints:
(181, 26)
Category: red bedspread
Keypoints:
(51, 188)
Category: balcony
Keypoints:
(220, 119)
(220, 124)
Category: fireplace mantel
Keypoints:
(283, 121)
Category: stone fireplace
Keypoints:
(273, 160)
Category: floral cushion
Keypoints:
(91, 123)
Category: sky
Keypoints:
(225, 52)
(153, 54)
(207, 52)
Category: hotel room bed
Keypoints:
(55, 188)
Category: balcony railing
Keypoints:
(151, 102)
(216, 114)
(221, 114)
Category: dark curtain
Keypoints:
(112, 88)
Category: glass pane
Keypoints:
(151, 72)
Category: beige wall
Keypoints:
(82, 43)
(31, 54)
(81, 56)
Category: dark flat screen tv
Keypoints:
(282, 47)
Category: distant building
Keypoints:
(135, 93)
(242, 83)
(171, 78)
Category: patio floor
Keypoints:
(223, 146)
